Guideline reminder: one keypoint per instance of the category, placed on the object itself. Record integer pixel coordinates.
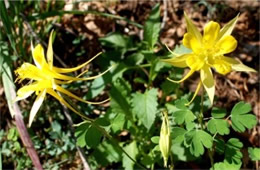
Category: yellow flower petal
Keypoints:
(68, 70)
(62, 90)
(21, 94)
(184, 78)
(195, 62)
(238, 66)
(222, 66)
(61, 100)
(208, 82)
(179, 61)
(38, 57)
(50, 52)
(211, 31)
(226, 45)
(192, 29)
(191, 42)
(195, 93)
(228, 28)
(36, 106)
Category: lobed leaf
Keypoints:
(254, 153)
(218, 126)
(196, 140)
(240, 117)
(145, 106)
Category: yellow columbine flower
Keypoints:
(208, 52)
(46, 78)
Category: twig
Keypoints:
(165, 13)
(27, 142)
(80, 151)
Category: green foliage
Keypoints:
(226, 165)
(145, 106)
(152, 27)
(196, 140)
(218, 126)
(240, 117)
(254, 153)
(132, 150)
(88, 134)
(232, 151)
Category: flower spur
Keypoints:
(208, 52)
(47, 79)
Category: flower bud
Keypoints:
(165, 138)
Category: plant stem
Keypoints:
(26, 138)
(172, 164)
(200, 117)
(203, 126)
(117, 144)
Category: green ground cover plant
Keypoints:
(145, 119)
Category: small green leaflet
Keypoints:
(88, 134)
(182, 113)
(145, 106)
(177, 134)
(196, 140)
(226, 166)
(152, 27)
(132, 150)
(232, 151)
(218, 126)
(240, 117)
(218, 113)
(254, 153)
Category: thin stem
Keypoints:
(172, 164)
(117, 144)
(200, 117)
(210, 153)
(104, 132)
(203, 126)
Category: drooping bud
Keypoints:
(165, 138)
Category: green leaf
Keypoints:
(145, 106)
(182, 116)
(254, 153)
(106, 153)
(218, 113)
(96, 87)
(132, 150)
(118, 122)
(240, 117)
(177, 134)
(181, 153)
(232, 151)
(218, 126)
(80, 133)
(220, 146)
(114, 40)
(155, 139)
(9, 87)
(226, 166)
(152, 27)
(88, 134)
(119, 94)
(196, 140)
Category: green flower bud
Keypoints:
(165, 138)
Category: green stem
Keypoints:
(203, 126)
(200, 117)
(172, 164)
(102, 130)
